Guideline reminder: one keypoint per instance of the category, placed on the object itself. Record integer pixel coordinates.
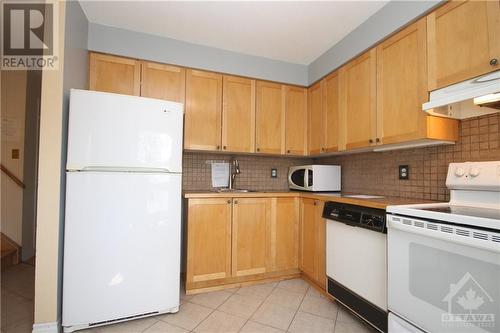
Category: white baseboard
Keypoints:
(46, 328)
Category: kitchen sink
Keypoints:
(236, 190)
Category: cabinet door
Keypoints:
(238, 115)
(358, 100)
(285, 231)
(114, 74)
(203, 110)
(251, 236)
(270, 118)
(321, 246)
(296, 120)
(463, 37)
(331, 111)
(402, 85)
(316, 119)
(308, 237)
(163, 81)
(208, 239)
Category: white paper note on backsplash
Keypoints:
(220, 174)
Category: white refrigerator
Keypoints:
(122, 229)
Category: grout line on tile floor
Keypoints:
(262, 302)
(154, 323)
(296, 311)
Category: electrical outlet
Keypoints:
(404, 172)
(274, 173)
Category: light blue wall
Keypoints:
(139, 45)
(155, 48)
(388, 19)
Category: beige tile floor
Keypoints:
(287, 306)
(18, 288)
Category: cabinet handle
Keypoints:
(494, 62)
(229, 201)
(371, 140)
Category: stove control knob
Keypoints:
(474, 172)
(459, 172)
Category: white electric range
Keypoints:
(444, 258)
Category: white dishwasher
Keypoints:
(356, 260)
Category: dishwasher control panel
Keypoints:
(356, 216)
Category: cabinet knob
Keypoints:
(288, 151)
(235, 201)
(229, 201)
(371, 140)
(258, 149)
(315, 203)
(224, 147)
(323, 149)
(218, 147)
(378, 140)
(494, 62)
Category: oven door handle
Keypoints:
(488, 245)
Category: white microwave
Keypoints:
(314, 178)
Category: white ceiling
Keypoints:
(296, 32)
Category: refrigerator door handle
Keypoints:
(123, 169)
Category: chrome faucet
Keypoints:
(234, 169)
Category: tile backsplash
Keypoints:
(366, 173)
(377, 173)
(255, 171)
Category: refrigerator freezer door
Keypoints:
(119, 132)
(121, 245)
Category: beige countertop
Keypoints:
(342, 197)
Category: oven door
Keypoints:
(444, 278)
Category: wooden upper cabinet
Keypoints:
(270, 118)
(316, 119)
(208, 240)
(202, 128)
(114, 74)
(331, 112)
(296, 120)
(358, 101)
(463, 39)
(163, 81)
(238, 115)
(402, 85)
(251, 236)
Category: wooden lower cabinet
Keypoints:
(208, 240)
(313, 241)
(239, 240)
(251, 236)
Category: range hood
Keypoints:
(472, 98)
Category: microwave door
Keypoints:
(298, 178)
